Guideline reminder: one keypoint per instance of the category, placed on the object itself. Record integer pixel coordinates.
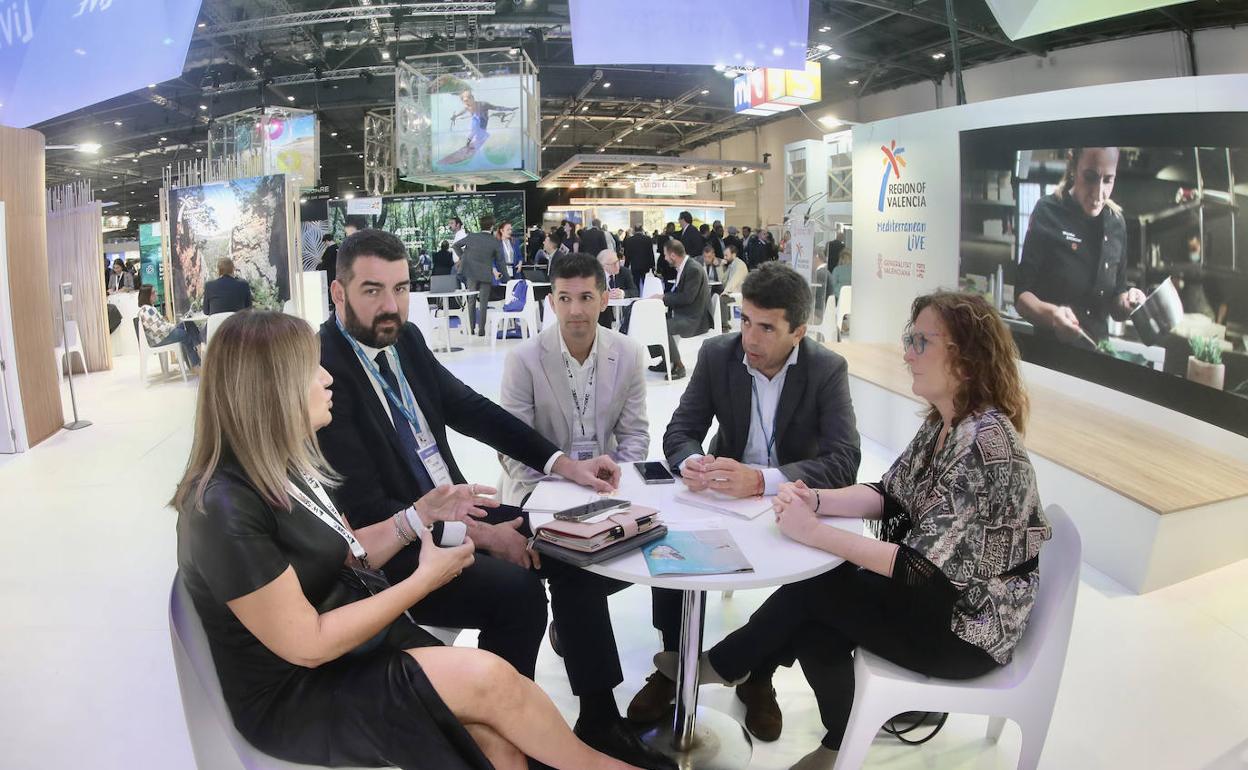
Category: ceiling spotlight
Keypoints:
(607, 84)
(164, 138)
(114, 176)
(290, 98)
(90, 148)
(833, 56)
(823, 47)
(116, 122)
(151, 85)
(853, 82)
(777, 51)
(134, 160)
(938, 55)
(705, 91)
(333, 133)
(385, 56)
(825, 28)
(199, 149)
(668, 111)
(203, 106)
(585, 108)
(348, 146)
(830, 120)
(719, 68)
(201, 25)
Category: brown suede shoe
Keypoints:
(652, 700)
(762, 713)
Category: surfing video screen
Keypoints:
(1116, 249)
(477, 125)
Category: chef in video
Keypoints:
(1073, 267)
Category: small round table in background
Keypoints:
(445, 297)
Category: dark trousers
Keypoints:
(578, 602)
(665, 606)
(676, 327)
(483, 289)
(725, 311)
(188, 336)
(639, 276)
(820, 621)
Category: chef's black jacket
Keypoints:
(1075, 260)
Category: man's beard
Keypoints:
(370, 335)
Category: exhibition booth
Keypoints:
(1128, 434)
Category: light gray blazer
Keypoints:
(535, 389)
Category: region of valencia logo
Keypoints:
(898, 194)
(893, 164)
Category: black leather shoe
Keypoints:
(678, 374)
(554, 640)
(614, 738)
(659, 368)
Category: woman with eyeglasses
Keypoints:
(318, 662)
(947, 588)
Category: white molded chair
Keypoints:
(734, 311)
(1024, 690)
(826, 331)
(648, 325)
(651, 284)
(843, 307)
(66, 350)
(548, 315)
(527, 315)
(215, 742)
(215, 320)
(418, 313)
(288, 307)
(163, 353)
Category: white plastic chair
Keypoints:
(163, 353)
(65, 352)
(734, 311)
(527, 315)
(843, 307)
(418, 313)
(215, 320)
(651, 284)
(288, 307)
(215, 742)
(548, 315)
(826, 331)
(1024, 690)
(648, 325)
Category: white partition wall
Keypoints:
(12, 425)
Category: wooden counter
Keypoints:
(1155, 468)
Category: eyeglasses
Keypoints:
(916, 341)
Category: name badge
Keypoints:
(584, 449)
(435, 466)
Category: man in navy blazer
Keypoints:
(226, 294)
(396, 461)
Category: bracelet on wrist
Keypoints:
(818, 501)
(404, 538)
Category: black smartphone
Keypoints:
(589, 510)
(654, 473)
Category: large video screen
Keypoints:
(58, 56)
(477, 125)
(422, 222)
(1116, 249)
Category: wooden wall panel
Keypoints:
(22, 190)
(75, 254)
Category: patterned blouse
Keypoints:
(155, 325)
(972, 511)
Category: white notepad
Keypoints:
(552, 496)
(742, 508)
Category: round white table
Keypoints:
(615, 305)
(445, 297)
(701, 738)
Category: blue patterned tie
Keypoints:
(407, 439)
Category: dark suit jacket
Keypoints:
(363, 447)
(592, 241)
(480, 254)
(622, 280)
(443, 262)
(226, 294)
(693, 241)
(639, 252)
(689, 302)
(816, 436)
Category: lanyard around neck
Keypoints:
(405, 400)
(581, 407)
(328, 514)
(770, 441)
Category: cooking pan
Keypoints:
(1161, 312)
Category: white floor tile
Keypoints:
(86, 673)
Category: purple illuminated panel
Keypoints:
(57, 56)
(727, 32)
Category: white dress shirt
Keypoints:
(680, 269)
(585, 427)
(764, 399)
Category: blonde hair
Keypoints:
(253, 408)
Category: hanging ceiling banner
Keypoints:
(768, 91)
(665, 187)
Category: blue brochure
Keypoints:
(703, 552)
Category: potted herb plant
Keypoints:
(1205, 365)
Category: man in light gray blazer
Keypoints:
(481, 258)
(578, 384)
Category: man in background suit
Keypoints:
(619, 285)
(690, 237)
(688, 304)
(481, 259)
(784, 413)
(393, 404)
(639, 254)
(592, 239)
(226, 294)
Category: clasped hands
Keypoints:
(723, 475)
(795, 505)
(468, 503)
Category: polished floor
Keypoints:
(86, 673)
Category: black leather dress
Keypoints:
(371, 707)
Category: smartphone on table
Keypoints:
(590, 510)
(654, 473)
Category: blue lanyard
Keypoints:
(406, 405)
(762, 426)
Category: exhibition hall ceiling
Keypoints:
(337, 58)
